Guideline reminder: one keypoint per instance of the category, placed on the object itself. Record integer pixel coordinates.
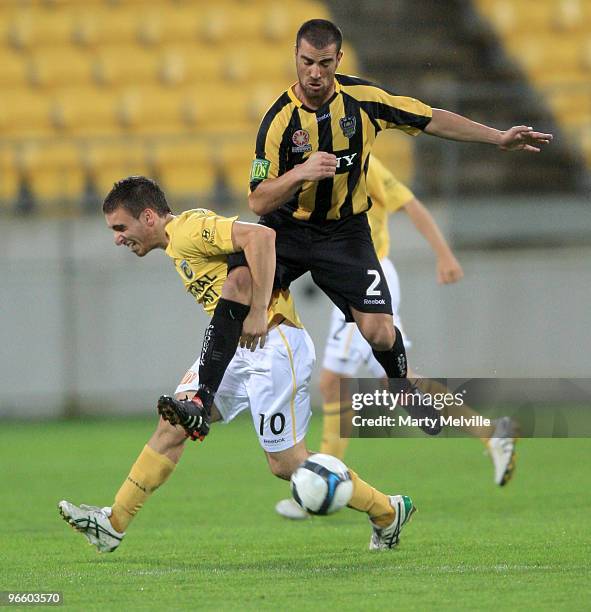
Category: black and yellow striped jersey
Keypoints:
(346, 125)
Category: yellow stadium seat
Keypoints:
(251, 62)
(235, 162)
(35, 27)
(571, 105)
(186, 168)
(548, 52)
(261, 99)
(190, 64)
(26, 114)
(128, 64)
(13, 70)
(54, 170)
(183, 23)
(88, 112)
(349, 63)
(514, 18)
(155, 110)
(60, 66)
(104, 24)
(217, 108)
(112, 161)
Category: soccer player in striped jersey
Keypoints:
(346, 351)
(273, 382)
(309, 180)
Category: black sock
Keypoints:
(219, 346)
(394, 360)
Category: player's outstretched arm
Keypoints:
(272, 193)
(446, 124)
(449, 269)
(258, 244)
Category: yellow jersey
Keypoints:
(199, 243)
(387, 195)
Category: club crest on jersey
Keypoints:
(186, 269)
(348, 125)
(301, 140)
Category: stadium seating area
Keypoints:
(551, 41)
(93, 90)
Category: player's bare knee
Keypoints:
(238, 286)
(380, 336)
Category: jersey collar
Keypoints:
(300, 104)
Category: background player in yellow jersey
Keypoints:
(272, 382)
(346, 350)
(308, 180)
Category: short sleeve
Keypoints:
(390, 111)
(205, 235)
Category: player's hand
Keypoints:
(523, 138)
(449, 270)
(254, 329)
(318, 166)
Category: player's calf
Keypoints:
(284, 463)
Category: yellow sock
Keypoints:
(332, 443)
(150, 470)
(367, 499)
(484, 432)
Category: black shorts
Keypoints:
(340, 256)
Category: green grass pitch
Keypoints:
(209, 539)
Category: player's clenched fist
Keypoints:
(318, 166)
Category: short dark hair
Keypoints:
(320, 33)
(135, 194)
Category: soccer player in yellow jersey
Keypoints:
(272, 381)
(308, 180)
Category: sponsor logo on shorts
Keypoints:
(275, 441)
(374, 301)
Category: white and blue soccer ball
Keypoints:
(322, 484)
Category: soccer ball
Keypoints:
(322, 485)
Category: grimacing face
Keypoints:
(138, 235)
(316, 69)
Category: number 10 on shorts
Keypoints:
(371, 290)
(276, 423)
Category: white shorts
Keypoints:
(272, 382)
(346, 349)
